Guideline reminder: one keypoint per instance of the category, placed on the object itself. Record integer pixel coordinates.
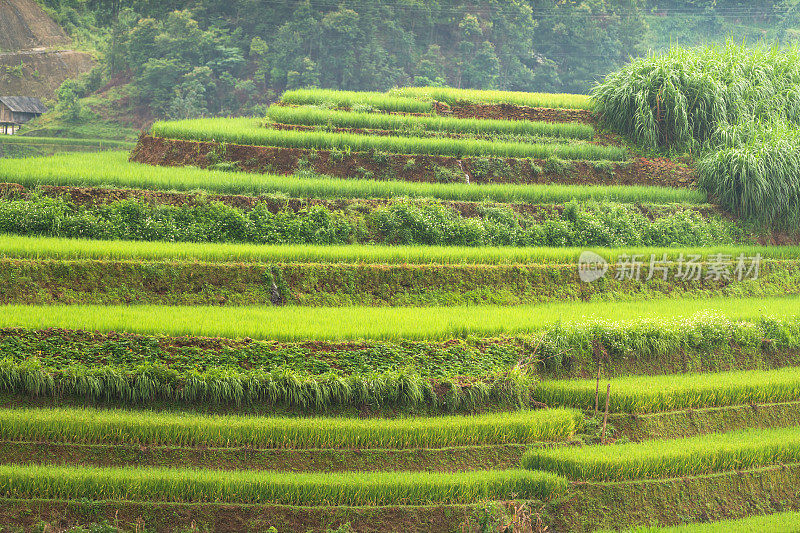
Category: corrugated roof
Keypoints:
(23, 104)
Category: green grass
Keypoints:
(112, 169)
(694, 456)
(349, 99)
(320, 323)
(648, 394)
(146, 428)
(47, 141)
(377, 121)
(249, 131)
(346, 488)
(774, 523)
(451, 95)
(14, 246)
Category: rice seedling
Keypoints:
(148, 428)
(14, 246)
(345, 488)
(649, 394)
(141, 382)
(345, 119)
(248, 131)
(344, 323)
(451, 95)
(348, 99)
(112, 169)
(694, 456)
(47, 141)
(774, 523)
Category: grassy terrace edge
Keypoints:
(251, 132)
(344, 488)
(112, 169)
(90, 426)
(692, 456)
(346, 323)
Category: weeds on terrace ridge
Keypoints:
(148, 428)
(694, 456)
(344, 119)
(451, 95)
(112, 169)
(248, 131)
(346, 488)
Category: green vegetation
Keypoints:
(347, 488)
(737, 106)
(94, 143)
(60, 248)
(247, 131)
(452, 96)
(261, 389)
(159, 429)
(290, 323)
(350, 99)
(774, 523)
(648, 394)
(113, 169)
(310, 116)
(706, 454)
(708, 343)
(400, 222)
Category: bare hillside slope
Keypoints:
(24, 26)
(34, 51)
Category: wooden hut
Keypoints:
(17, 110)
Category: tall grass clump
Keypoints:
(452, 95)
(344, 488)
(694, 456)
(147, 428)
(309, 116)
(736, 106)
(247, 131)
(755, 172)
(348, 99)
(680, 98)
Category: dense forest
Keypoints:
(187, 58)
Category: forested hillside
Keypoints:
(189, 58)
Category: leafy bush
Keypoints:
(400, 222)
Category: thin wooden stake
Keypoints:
(605, 418)
(597, 391)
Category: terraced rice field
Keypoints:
(430, 309)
